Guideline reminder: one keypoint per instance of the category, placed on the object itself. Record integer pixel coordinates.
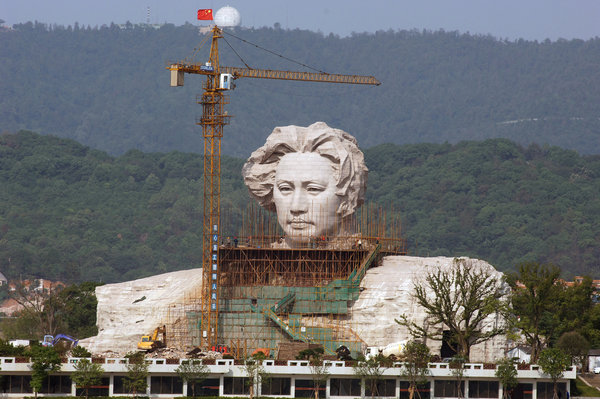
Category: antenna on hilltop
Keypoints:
(148, 15)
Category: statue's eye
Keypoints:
(285, 188)
(315, 189)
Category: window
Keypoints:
(344, 387)
(208, 387)
(276, 386)
(306, 389)
(56, 384)
(385, 387)
(545, 390)
(119, 384)
(167, 385)
(522, 391)
(15, 384)
(235, 386)
(100, 389)
(423, 390)
(447, 388)
(483, 389)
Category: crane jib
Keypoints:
(276, 74)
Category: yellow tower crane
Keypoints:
(218, 80)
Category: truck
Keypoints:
(152, 342)
(394, 349)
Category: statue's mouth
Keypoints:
(299, 223)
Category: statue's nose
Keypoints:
(299, 202)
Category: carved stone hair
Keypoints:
(350, 171)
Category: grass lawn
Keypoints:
(585, 390)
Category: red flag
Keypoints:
(205, 14)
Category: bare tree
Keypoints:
(41, 305)
(461, 300)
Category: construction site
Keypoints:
(268, 295)
(258, 292)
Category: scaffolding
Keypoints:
(270, 293)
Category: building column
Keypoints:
(111, 385)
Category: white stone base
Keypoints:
(386, 294)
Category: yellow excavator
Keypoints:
(152, 342)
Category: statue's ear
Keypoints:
(345, 209)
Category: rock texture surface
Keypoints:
(386, 295)
(123, 316)
(128, 310)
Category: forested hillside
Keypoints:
(72, 213)
(108, 87)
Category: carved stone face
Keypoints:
(304, 195)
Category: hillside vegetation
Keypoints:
(72, 213)
(108, 87)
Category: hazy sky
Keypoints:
(512, 19)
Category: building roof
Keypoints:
(523, 348)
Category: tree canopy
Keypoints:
(71, 213)
(107, 87)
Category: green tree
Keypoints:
(192, 372)
(535, 295)
(575, 346)
(457, 366)
(86, 374)
(8, 350)
(370, 371)
(459, 299)
(78, 311)
(319, 370)
(80, 351)
(416, 357)
(44, 361)
(575, 308)
(506, 372)
(554, 362)
(255, 372)
(136, 380)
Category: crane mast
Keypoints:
(214, 118)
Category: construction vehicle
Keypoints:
(50, 340)
(261, 352)
(152, 342)
(220, 79)
(395, 349)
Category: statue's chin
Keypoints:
(297, 241)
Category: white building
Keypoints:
(288, 379)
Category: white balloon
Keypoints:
(227, 16)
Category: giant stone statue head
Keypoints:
(314, 177)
